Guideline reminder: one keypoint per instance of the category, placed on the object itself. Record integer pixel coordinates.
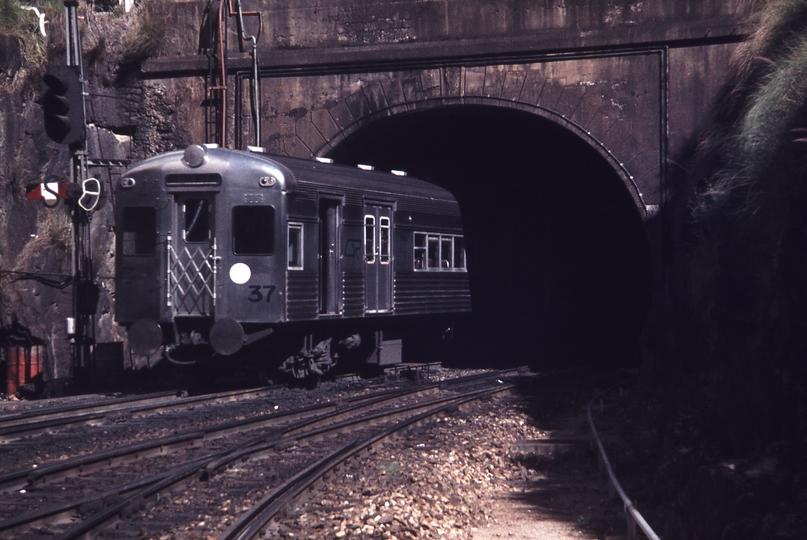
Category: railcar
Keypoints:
(294, 264)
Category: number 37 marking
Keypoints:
(257, 295)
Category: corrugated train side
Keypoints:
(293, 263)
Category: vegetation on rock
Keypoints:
(734, 374)
(18, 22)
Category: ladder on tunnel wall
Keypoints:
(216, 86)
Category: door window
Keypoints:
(384, 251)
(369, 239)
(197, 220)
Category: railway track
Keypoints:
(27, 423)
(261, 460)
(14, 426)
(250, 524)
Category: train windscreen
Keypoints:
(253, 230)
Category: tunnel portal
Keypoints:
(556, 246)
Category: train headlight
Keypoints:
(194, 156)
(267, 181)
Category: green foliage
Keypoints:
(742, 257)
(740, 210)
(16, 21)
(774, 63)
(24, 24)
(11, 17)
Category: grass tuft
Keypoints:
(742, 199)
(741, 258)
(24, 24)
(148, 39)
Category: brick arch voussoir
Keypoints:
(411, 105)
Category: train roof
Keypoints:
(344, 176)
(290, 172)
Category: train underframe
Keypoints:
(307, 351)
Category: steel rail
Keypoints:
(31, 422)
(11, 419)
(349, 406)
(185, 471)
(54, 512)
(254, 519)
(61, 469)
(95, 522)
(251, 523)
(27, 477)
(634, 518)
(293, 433)
(82, 464)
(34, 422)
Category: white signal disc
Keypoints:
(240, 273)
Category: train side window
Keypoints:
(295, 246)
(459, 253)
(253, 230)
(437, 252)
(139, 230)
(197, 220)
(385, 239)
(420, 251)
(369, 239)
(446, 251)
(434, 251)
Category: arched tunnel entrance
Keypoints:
(559, 260)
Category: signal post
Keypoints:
(63, 106)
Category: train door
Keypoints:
(329, 282)
(192, 256)
(378, 258)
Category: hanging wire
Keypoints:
(57, 281)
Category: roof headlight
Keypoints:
(195, 156)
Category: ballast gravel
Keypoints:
(461, 476)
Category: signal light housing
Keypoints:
(63, 105)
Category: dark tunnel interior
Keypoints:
(559, 262)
